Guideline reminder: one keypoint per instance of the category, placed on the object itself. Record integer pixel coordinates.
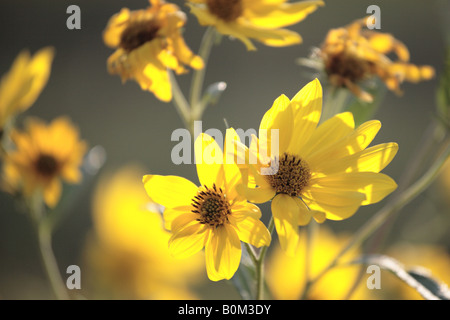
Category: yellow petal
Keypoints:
(256, 195)
(172, 213)
(281, 15)
(52, 192)
(373, 159)
(222, 253)
(170, 191)
(329, 133)
(209, 161)
(376, 186)
(277, 122)
(285, 213)
(305, 214)
(188, 240)
(251, 230)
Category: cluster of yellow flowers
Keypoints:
(323, 169)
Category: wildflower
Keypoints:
(44, 154)
(286, 275)
(21, 86)
(321, 172)
(352, 54)
(128, 258)
(149, 42)
(212, 215)
(259, 20)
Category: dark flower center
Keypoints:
(347, 67)
(138, 33)
(212, 206)
(227, 10)
(46, 165)
(292, 177)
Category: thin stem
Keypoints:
(404, 198)
(44, 235)
(180, 103)
(260, 266)
(199, 75)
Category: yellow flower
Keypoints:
(352, 54)
(149, 42)
(259, 20)
(44, 155)
(213, 215)
(286, 275)
(21, 86)
(321, 172)
(128, 258)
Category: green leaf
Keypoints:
(419, 279)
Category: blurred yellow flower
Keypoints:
(44, 154)
(259, 20)
(21, 86)
(149, 42)
(352, 54)
(321, 172)
(213, 215)
(434, 260)
(286, 275)
(128, 257)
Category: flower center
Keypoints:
(212, 206)
(46, 165)
(138, 33)
(227, 10)
(292, 177)
(347, 67)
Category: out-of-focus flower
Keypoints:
(149, 42)
(44, 155)
(321, 172)
(128, 257)
(352, 54)
(213, 215)
(21, 86)
(259, 20)
(433, 260)
(286, 275)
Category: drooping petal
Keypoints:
(223, 253)
(52, 192)
(169, 191)
(251, 230)
(285, 213)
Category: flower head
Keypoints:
(128, 257)
(21, 86)
(212, 215)
(44, 154)
(259, 20)
(352, 54)
(149, 42)
(320, 172)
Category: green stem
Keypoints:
(44, 237)
(379, 218)
(180, 103)
(260, 266)
(199, 75)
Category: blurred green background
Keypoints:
(133, 126)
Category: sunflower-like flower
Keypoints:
(21, 86)
(44, 154)
(353, 54)
(259, 20)
(212, 215)
(321, 172)
(149, 42)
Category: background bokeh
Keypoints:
(133, 126)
